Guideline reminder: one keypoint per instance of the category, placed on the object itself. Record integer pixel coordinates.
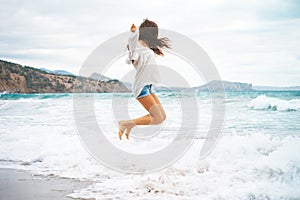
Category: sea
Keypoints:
(257, 156)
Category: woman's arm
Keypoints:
(132, 29)
(132, 44)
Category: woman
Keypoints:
(143, 45)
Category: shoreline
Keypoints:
(19, 184)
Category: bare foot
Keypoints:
(125, 126)
(128, 132)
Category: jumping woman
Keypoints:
(143, 46)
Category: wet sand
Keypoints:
(17, 184)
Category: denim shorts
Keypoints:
(147, 90)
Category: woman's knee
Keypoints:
(163, 115)
(160, 118)
(158, 114)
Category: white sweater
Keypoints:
(144, 63)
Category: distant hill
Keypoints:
(217, 85)
(272, 88)
(59, 72)
(15, 78)
(228, 86)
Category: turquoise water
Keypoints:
(285, 95)
(5, 96)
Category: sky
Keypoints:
(251, 41)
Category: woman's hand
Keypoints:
(133, 28)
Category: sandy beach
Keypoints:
(17, 184)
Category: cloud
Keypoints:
(250, 41)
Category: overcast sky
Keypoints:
(251, 41)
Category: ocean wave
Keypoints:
(263, 102)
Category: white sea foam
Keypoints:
(255, 166)
(264, 102)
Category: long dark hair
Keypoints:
(149, 34)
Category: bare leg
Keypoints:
(160, 105)
(156, 115)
